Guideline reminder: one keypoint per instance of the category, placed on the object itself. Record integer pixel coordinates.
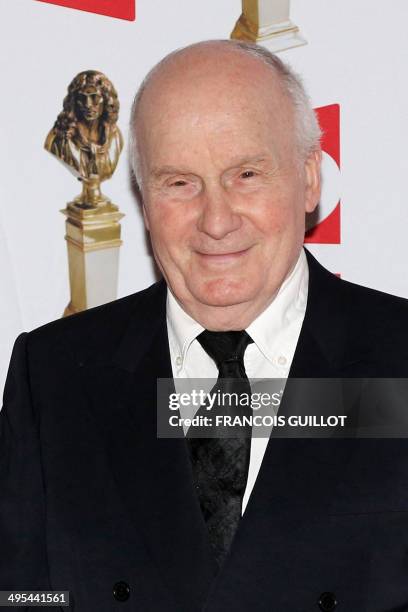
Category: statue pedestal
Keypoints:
(93, 241)
(267, 22)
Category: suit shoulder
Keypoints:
(377, 325)
(99, 326)
(372, 303)
(353, 320)
(362, 303)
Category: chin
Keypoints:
(224, 293)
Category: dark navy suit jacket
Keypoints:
(90, 497)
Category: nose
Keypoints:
(218, 216)
(89, 102)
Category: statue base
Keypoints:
(93, 241)
(276, 37)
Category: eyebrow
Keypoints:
(239, 161)
(163, 170)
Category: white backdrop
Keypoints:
(356, 56)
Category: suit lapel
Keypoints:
(295, 469)
(298, 477)
(153, 475)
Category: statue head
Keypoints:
(91, 97)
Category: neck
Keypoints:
(226, 318)
(90, 130)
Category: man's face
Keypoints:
(89, 104)
(224, 193)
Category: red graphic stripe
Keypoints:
(121, 9)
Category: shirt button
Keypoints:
(282, 360)
(327, 602)
(178, 361)
(121, 591)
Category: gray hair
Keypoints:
(307, 130)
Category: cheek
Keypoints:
(279, 215)
(171, 225)
(272, 220)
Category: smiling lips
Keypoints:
(221, 258)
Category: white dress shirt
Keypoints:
(275, 333)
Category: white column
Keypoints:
(267, 22)
(93, 240)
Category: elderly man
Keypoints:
(226, 154)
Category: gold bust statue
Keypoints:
(85, 135)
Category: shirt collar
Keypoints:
(183, 329)
(267, 330)
(278, 322)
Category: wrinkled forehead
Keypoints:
(210, 73)
(219, 94)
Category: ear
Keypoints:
(313, 180)
(145, 217)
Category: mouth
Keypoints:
(222, 258)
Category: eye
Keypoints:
(247, 174)
(181, 187)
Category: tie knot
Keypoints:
(225, 347)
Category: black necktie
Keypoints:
(220, 465)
